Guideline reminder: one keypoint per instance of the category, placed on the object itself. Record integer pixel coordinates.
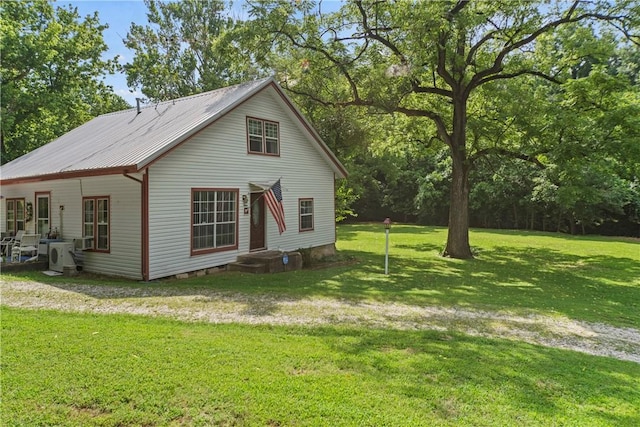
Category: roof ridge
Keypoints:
(188, 97)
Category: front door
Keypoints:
(257, 241)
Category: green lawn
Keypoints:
(586, 277)
(79, 370)
(114, 370)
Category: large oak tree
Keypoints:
(428, 60)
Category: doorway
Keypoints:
(257, 229)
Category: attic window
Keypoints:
(263, 136)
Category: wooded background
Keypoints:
(501, 114)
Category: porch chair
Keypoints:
(8, 242)
(28, 244)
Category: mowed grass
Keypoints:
(114, 370)
(582, 277)
(588, 278)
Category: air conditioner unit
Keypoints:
(59, 256)
(83, 243)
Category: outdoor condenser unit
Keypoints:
(59, 256)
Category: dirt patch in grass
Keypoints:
(203, 305)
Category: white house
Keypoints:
(179, 186)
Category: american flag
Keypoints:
(273, 197)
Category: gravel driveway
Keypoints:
(203, 305)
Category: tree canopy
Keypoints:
(187, 47)
(450, 63)
(52, 74)
(499, 114)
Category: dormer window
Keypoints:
(263, 136)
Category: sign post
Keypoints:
(387, 227)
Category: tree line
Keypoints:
(503, 114)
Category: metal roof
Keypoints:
(128, 140)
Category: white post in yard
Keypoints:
(387, 227)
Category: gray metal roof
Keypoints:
(126, 139)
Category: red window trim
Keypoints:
(223, 248)
(313, 214)
(95, 224)
(264, 137)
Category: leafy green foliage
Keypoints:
(52, 70)
(188, 47)
(455, 64)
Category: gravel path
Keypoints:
(204, 305)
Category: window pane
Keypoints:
(88, 211)
(255, 127)
(272, 146)
(103, 237)
(19, 210)
(103, 211)
(271, 130)
(254, 130)
(255, 144)
(215, 223)
(271, 137)
(43, 207)
(42, 215)
(11, 216)
(306, 214)
(88, 230)
(306, 222)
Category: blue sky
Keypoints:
(119, 15)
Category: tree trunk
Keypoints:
(458, 236)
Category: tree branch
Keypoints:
(507, 153)
(417, 88)
(456, 9)
(569, 17)
(369, 33)
(517, 74)
(434, 117)
(339, 64)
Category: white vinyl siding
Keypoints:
(66, 205)
(217, 157)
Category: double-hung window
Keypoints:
(214, 214)
(306, 214)
(96, 222)
(263, 136)
(15, 216)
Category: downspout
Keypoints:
(144, 221)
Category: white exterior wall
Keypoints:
(124, 258)
(217, 158)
